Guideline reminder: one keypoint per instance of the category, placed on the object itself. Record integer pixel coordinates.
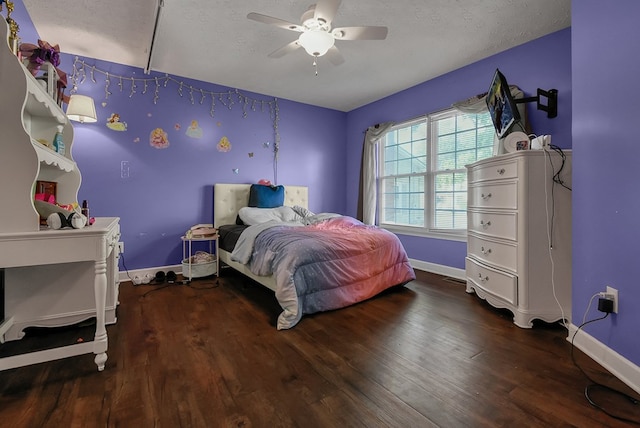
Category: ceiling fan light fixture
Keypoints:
(316, 42)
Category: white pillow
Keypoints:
(251, 215)
(320, 217)
(302, 212)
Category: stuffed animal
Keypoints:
(58, 220)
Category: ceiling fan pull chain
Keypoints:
(315, 63)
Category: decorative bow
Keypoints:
(41, 53)
(38, 55)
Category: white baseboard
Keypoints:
(439, 269)
(619, 366)
(140, 273)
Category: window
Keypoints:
(422, 179)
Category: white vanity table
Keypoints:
(88, 253)
(50, 277)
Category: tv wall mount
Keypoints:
(551, 96)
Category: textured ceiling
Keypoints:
(213, 41)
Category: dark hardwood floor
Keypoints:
(208, 355)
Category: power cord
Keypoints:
(550, 224)
(156, 289)
(556, 176)
(121, 257)
(595, 384)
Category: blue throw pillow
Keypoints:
(261, 196)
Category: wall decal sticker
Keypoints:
(154, 85)
(114, 123)
(194, 131)
(224, 145)
(177, 126)
(250, 154)
(235, 170)
(136, 140)
(159, 139)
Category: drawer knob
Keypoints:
(483, 279)
(485, 225)
(487, 196)
(485, 252)
(501, 171)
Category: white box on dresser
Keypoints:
(519, 234)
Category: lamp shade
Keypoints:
(81, 109)
(316, 42)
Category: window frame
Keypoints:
(429, 176)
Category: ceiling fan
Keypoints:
(317, 37)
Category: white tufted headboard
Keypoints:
(229, 198)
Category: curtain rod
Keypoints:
(420, 116)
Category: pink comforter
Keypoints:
(328, 265)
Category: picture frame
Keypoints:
(46, 188)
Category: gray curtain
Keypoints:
(369, 169)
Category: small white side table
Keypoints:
(187, 248)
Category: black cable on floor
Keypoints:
(595, 384)
(156, 289)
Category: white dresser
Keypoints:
(519, 235)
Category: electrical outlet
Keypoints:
(614, 296)
(121, 247)
(125, 171)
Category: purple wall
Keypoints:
(544, 63)
(606, 206)
(169, 189)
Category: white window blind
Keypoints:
(422, 179)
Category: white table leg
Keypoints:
(100, 342)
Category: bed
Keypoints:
(316, 263)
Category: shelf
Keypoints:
(49, 157)
(39, 102)
(33, 115)
(201, 238)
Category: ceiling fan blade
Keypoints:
(360, 33)
(275, 21)
(278, 53)
(326, 10)
(334, 56)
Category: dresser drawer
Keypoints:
(499, 254)
(496, 224)
(494, 195)
(493, 171)
(500, 284)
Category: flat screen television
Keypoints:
(502, 107)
